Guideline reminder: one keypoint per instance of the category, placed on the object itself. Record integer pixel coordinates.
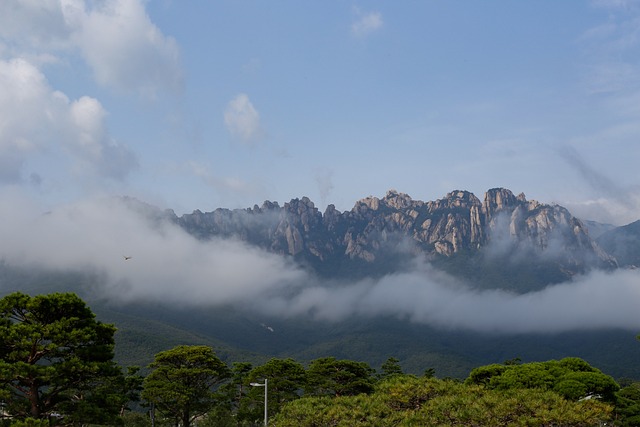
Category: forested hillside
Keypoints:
(56, 367)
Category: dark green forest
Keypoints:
(57, 367)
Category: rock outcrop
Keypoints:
(383, 231)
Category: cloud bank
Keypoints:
(115, 38)
(127, 51)
(425, 296)
(40, 121)
(54, 141)
(168, 265)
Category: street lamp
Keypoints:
(265, 399)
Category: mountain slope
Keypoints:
(624, 244)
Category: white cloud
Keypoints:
(242, 120)
(608, 209)
(30, 113)
(32, 23)
(41, 128)
(366, 24)
(92, 144)
(601, 300)
(39, 121)
(127, 51)
(116, 38)
(166, 263)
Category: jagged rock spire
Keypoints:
(383, 231)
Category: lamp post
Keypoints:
(265, 399)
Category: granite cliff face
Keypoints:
(379, 235)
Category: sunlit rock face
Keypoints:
(378, 235)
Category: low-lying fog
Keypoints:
(168, 264)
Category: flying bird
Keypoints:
(126, 258)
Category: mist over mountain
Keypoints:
(489, 262)
(502, 266)
(623, 243)
(503, 241)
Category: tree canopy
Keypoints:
(571, 377)
(404, 400)
(390, 368)
(55, 357)
(329, 376)
(286, 382)
(183, 380)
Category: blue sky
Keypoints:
(205, 104)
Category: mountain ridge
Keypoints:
(378, 235)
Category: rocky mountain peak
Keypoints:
(368, 203)
(300, 205)
(269, 206)
(498, 199)
(380, 232)
(397, 200)
(456, 199)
